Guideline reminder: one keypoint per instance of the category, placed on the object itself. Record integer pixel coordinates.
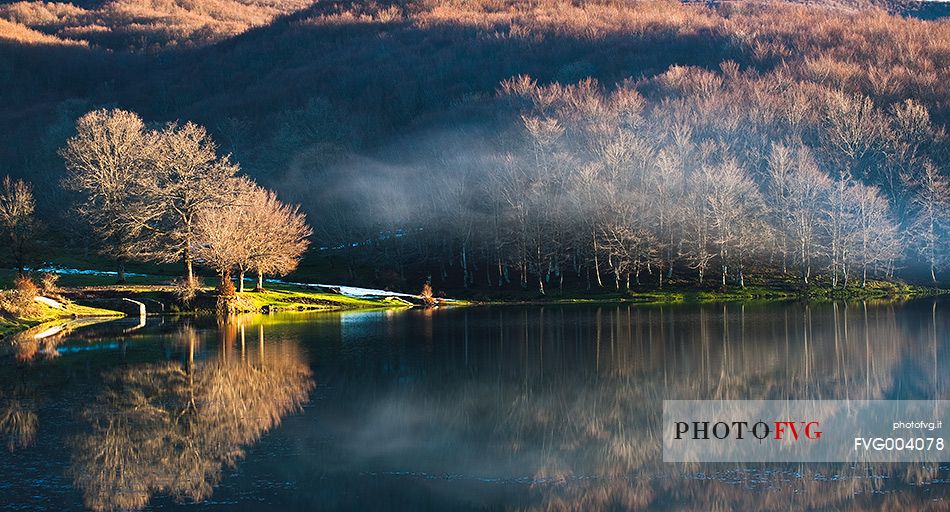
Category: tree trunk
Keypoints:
(933, 256)
(189, 272)
(18, 254)
(597, 263)
(260, 280)
(804, 262)
(225, 303)
(540, 274)
(225, 276)
(121, 272)
(465, 278)
(669, 257)
(186, 255)
(241, 281)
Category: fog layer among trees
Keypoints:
(601, 185)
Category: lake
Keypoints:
(502, 408)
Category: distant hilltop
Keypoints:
(150, 25)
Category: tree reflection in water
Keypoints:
(44, 339)
(535, 408)
(18, 419)
(608, 434)
(172, 427)
(573, 401)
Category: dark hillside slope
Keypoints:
(318, 99)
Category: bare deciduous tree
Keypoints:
(733, 199)
(253, 231)
(280, 234)
(732, 171)
(109, 161)
(931, 199)
(16, 218)
(222, 240)
(144, 189)
(877, 240)
(188, 178)
(807, 188)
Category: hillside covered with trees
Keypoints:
(510, 145)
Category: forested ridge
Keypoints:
(524, 144)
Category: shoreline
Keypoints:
(686, 295)
(85, 301)
(11, 326)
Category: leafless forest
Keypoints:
(524, 144)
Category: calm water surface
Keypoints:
(507, 408)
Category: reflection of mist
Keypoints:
(355, 325)
(172, 427)
(553, 408)
(569, 400)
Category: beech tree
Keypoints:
(666, 181)
(188, 178)
(806, 189)
(142, 190)
(280, 236)
(931, 201)
(222, 240)
(780, 165)
(877, 240)
(853, 129)
(627, 244)
(840, 226)
(732, 200)
(254, 231)
(698, 237)
(16, 218)
(108, 161)
(689, 172)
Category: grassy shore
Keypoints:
(291, 298)
(686, 293)
(83, 292)
(43, 313)
(277, 297)
(93, 289)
